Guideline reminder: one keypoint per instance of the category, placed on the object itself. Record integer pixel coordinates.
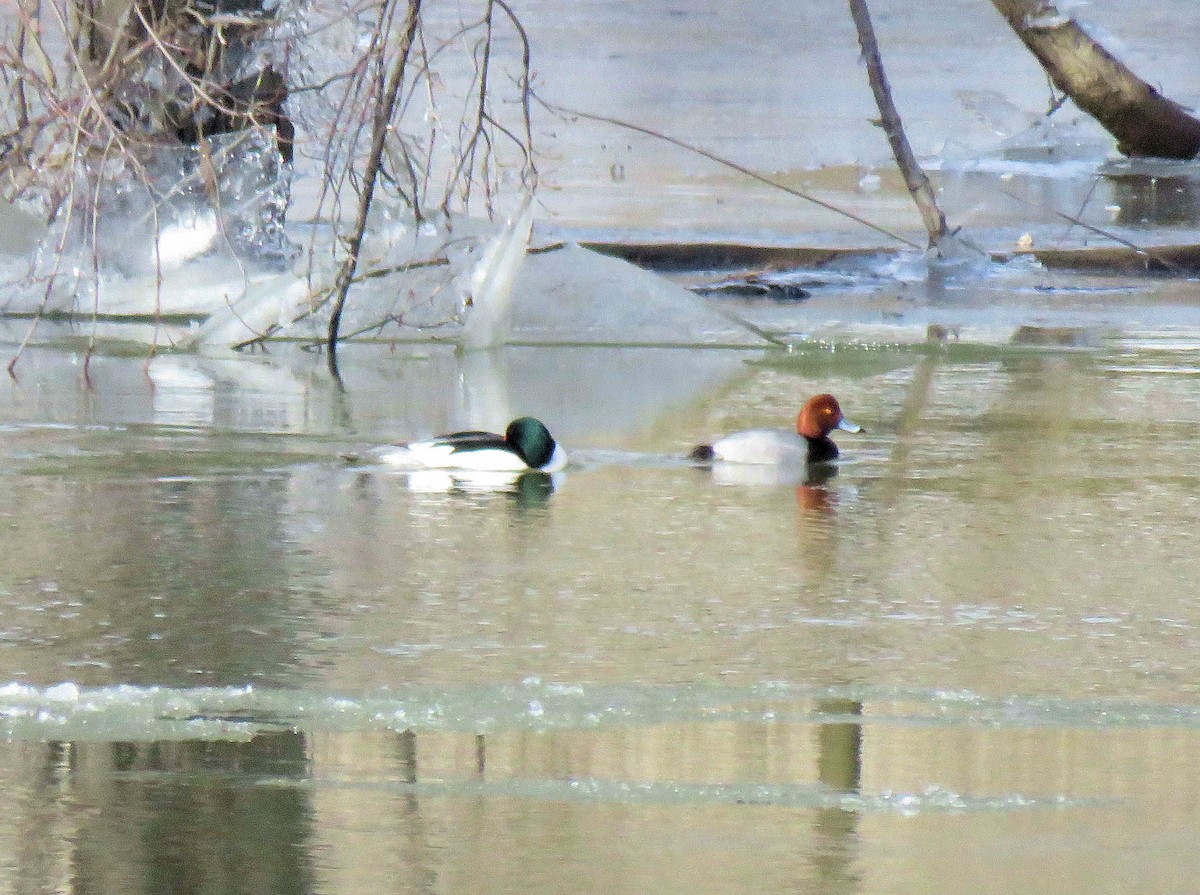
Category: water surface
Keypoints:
(231, 661)
(235, 657)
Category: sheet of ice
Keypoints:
(562, 295)
(264, 306)
(573, 294)
(68, 711)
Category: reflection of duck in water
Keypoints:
(809, 444)
(526, 444)
(527, 489)
(812, 495)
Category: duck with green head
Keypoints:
(525, 444)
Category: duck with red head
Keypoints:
(810, 443)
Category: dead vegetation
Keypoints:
(145, 110)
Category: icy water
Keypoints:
(779, 87)
(230, 661)
(967, 662)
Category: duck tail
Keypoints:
(703, 453)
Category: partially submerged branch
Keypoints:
(1144, 121)
(889, 119)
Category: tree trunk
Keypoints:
(1144, 121)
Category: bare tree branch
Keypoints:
(383, 122)
(889, 119)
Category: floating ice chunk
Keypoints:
(566, 295)
(266, 305)
(64, 692)
(487, 322)
(573, 294)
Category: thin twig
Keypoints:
(1149, 254)
(711, 156)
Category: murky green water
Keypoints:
(232, 662)
(965, 663)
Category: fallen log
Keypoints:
(1144, 122)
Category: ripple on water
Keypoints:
(66, 710)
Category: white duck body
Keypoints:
(778, 447)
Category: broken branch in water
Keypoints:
(889, 119)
